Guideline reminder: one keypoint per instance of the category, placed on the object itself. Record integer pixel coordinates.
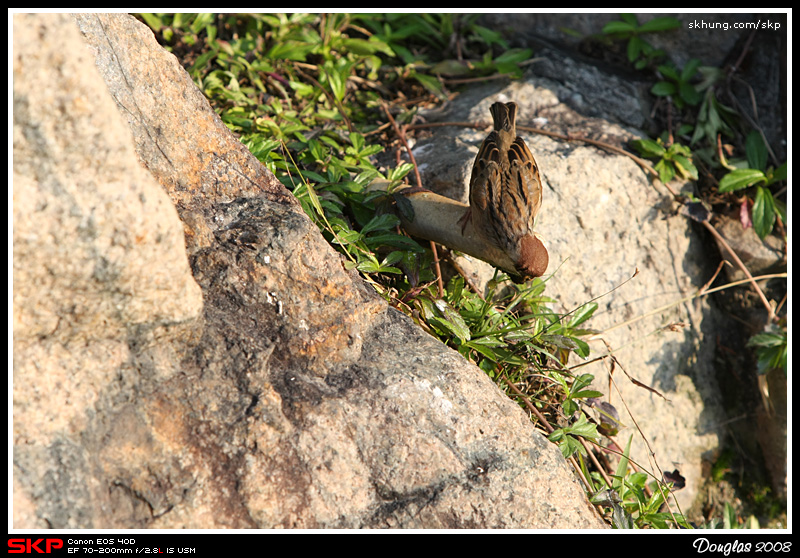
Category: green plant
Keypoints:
(754, 172)
(677, 85)
(676, 159)
(510, 331)
(634, 502)
(458, 46)
(771, 349)
(567, 437)
(188, 26)
(757, 503)
(709, 122)
(640, 53)
(576, 390)
(713, 117)
(730, 520)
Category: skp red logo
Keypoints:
(30, 546)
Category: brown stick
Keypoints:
(402, 137)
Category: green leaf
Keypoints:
(634, 48)
(740, 178)
(669, 72)
(685, 166)
(290, 50)
(771, 351)
(582, 348)
(153, 21)
(665, 170)
(587, 393)
(568, 445)
(381, 222)
(375, 241)
(649, 148)
(557, 435)
(343, 187)
(364, 47)
(756, 151)
(767, 340)
(489, 36)
(452, 320)
(622, 466)
(689, 93)
(336, 82)
(357, 140)
(569, 406)
(400, 171)
(618, 27)
(432, 84)
(584, 428)
(689, 70)
(659, 24)
(582, 314)
(582, 381)
(372, 266)
(560, 341)
(201, 21)
(482, 349)
(663, 89)
(393, 258)
(779, 173)
(729, 520)
(763, 212)
(514, 56)
(620, 519)
(312, 195)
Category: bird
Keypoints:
(505, 194)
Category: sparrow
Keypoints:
(505, 194)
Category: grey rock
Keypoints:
(603, 222)
(759, 256)
(99, 265)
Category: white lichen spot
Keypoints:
(272, 298)
(439, 400)
(444, 403)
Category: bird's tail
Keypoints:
(504, 116)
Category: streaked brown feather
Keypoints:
(505, 187)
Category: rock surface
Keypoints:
(246, 380)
